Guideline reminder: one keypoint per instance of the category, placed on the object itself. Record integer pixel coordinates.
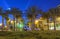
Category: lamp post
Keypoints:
(36, 24)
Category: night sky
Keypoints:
(24, 4)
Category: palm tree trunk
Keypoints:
(7, 24)
(14, 23)
(33, 23)
(48, 23)
(2, 23)
(54, 19)
(54, 25)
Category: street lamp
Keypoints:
(36, 21)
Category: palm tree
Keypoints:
(58, 10)
(46, 15)
(30, 18)
(7, 12)
(2, 22)
(53, 15)
(1, 11)
(3, 16)
(40, 12)
(18, 16)
(32, 13)
(6, 17)
(15, 12)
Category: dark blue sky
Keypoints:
(24, 4)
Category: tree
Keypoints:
(30, 18)
(40, 12)
(1, 13)
(16, 13)
(7, 19)
(31, 14)
(18, 16)
(54, 16)
(46, 15)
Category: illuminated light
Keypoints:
(20, 25)
(58, 18)
(11, 21)
(58, 28)
(15, 21)
(52, 28)
(0, 24)
(52, 23)
(40, 17)
(36, 21)
(5, 26)
(9, 30)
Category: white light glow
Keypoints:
(0, 24)
(52, 28)
(36, 21)
(11, 21)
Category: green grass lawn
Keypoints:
(30, 35)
